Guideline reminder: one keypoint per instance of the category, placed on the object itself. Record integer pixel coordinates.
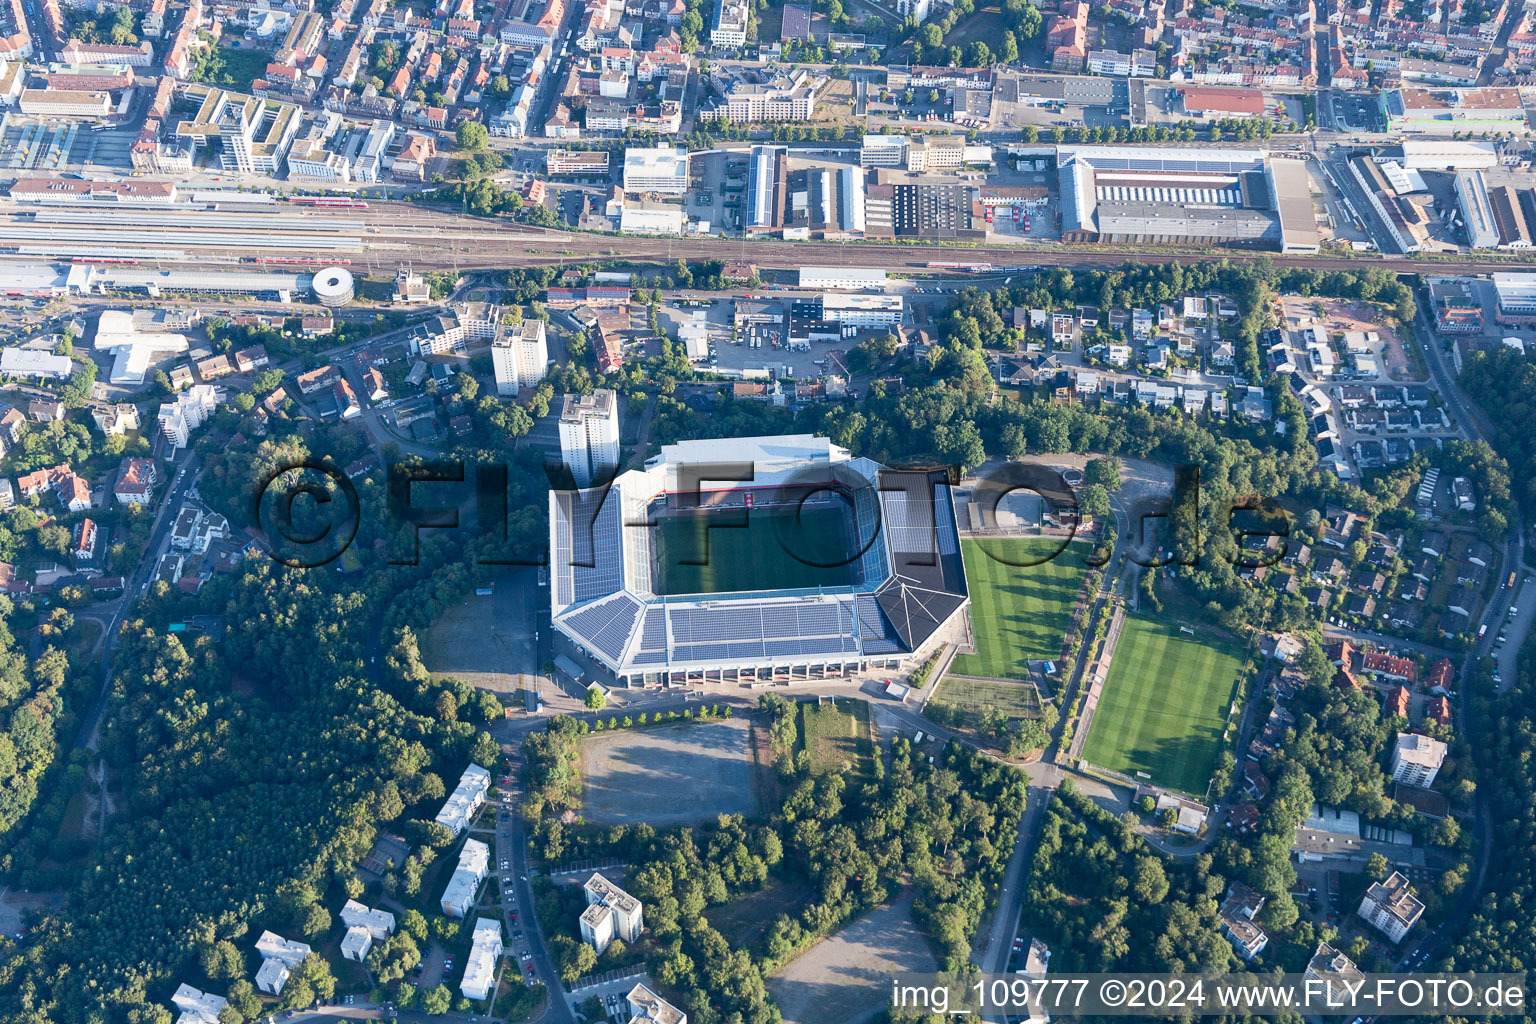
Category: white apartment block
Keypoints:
(190, 410)
(589, 435)
(471, 321)
(646, 1007)
(611, 914)
(279, 956)
(1336, 971)
(365, 926)
(730, 26)
(480, 968)
(917, 10)
(464, 886)
(1416, 759)
(1391, 907)
(467, 798)
(197, 1007)
(659, 169)
(520, 356)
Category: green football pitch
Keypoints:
(721, 551)
(1018, 612)
(1164, 705)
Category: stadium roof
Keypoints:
(910, 578)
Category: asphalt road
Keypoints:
(186, 475)
(1477, 426)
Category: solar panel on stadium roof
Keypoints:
(607, 624)
(586, 550)
(653, 632)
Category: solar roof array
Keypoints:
(913, 565)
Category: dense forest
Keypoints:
(1503, 382)
(1105, 901)
(242, 814)
(1499, 937)
(945, 828)
(41, 700)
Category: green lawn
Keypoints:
(771, 548)
(1016, 700)
(1164, 705)
(1018, 612)
(836, 734)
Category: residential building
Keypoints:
(188, 412)
(1416, 759)
(1237, 914)
(1391, 907)
(279, 956)
(1335, 971)
(646, 1007)
(114, 419)
(519, 356)
(318, 379)
(611, 914)
(83, 540)
(466, 799)
(253, 358)
(589, 435)
(464, 885)
(480, 967)
(197, 1007)
(365, 926)
(373, 385)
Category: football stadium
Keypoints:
(757, 559)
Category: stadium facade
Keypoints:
(897, 586)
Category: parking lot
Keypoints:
(734, 357)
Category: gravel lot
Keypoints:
(668, 775)
(847, 978)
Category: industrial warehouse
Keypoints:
(1175, 196)
(818, 565)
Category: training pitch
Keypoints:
(1164, 705)
(1019, 612)
(776, 547)
(668, 774)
